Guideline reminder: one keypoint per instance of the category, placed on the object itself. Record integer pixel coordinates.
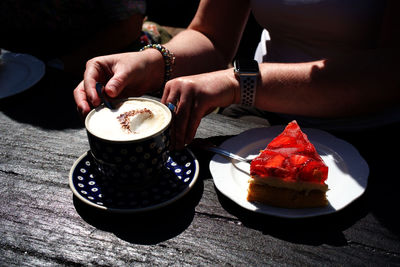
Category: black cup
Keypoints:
(133, 162)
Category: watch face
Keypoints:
(246, 66)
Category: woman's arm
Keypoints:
(212, 38)
(354, 84)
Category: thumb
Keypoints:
(115, 85)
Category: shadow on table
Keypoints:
(150, 227)
(325, 229)
(380, 148)
(48, 104)
(384, 201)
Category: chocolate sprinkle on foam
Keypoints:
(124, 118)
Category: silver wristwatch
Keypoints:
(247, 71)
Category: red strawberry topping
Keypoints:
(290, 156)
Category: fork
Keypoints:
(209, 146)
(226, 153)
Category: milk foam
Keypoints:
(106, 123)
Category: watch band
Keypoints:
(248, 85)
(248, 72)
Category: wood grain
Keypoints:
(42, 224)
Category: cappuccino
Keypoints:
(133, 119)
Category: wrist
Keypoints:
(153, 69)
(168, 60)
(235, 87)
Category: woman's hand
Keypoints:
(127, 74)
(196, 96)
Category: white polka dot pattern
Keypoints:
(177, 175)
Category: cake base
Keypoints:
(285, 197)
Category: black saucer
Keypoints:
(179, 176)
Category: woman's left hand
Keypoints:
(196, 96)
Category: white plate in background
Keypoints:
(19, 72)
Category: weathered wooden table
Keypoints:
(43, 224)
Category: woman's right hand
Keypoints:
(126, 74)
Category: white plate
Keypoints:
(18, 73)
(347, 175)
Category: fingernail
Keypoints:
(111, 90)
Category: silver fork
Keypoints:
(209, 146)
(226, 153)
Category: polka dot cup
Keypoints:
(131, 162)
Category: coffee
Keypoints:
(133, 119)
(129, 144)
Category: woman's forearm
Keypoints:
(346, 86)
(194, 53)
(208, 44)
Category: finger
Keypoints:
(92, 75)
(193, 123)
(173, 98)
(116, 84)
(81, 99)
(184, 110)
(170, 96)
(200, 108)
(165, 95)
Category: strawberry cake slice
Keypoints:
(289, 172)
